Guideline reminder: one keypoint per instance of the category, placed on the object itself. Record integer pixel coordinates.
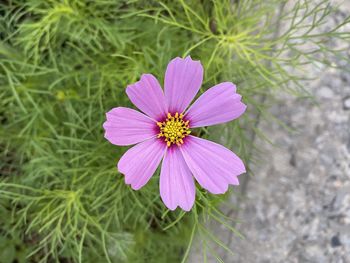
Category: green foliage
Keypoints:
(64, 63)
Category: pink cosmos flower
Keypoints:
(164, 132)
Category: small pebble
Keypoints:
(335, 242)
(346, 103)
(325, 92)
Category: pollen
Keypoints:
(174, 129)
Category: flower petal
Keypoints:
(126, 126)
(147, 95)
(140, 162)
(183, 78)
(176, 182)
(213, 165)
(218, 104)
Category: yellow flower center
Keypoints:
(174, 129)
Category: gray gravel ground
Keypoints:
(297, 205)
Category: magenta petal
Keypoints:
(147, 95)
(126, 126)
(183, 78)
(218, 104)
(140, 162)
(213, 165)
(176, 182)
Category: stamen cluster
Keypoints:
(174, 129)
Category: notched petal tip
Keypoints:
(229, 85)
(107, 136)
(136, 186)
(146, 75)
(184, 208)
(219, 191)
(171, 208)
(187, 208)
(236, 182)
(241, 108)
(245, 107)
(104, 124)
(240, 166)
(190, 58)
